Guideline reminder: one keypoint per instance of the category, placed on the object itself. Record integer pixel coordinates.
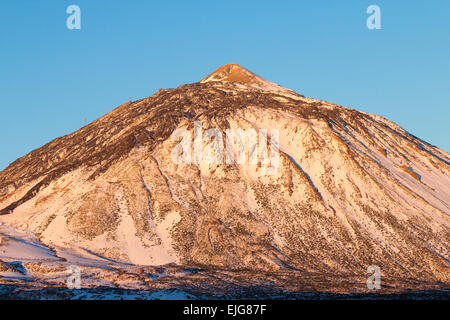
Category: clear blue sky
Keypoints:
(51, 78)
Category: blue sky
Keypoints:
(52, 78)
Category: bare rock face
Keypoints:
(342, 189)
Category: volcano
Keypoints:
(347, 190)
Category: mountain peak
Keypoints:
(233, 72)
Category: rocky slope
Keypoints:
(346, 190)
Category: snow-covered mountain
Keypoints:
(346, 190)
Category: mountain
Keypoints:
(235, 173)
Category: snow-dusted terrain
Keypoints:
(347, 190)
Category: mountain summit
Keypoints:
(232, 72)
(320, 194)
